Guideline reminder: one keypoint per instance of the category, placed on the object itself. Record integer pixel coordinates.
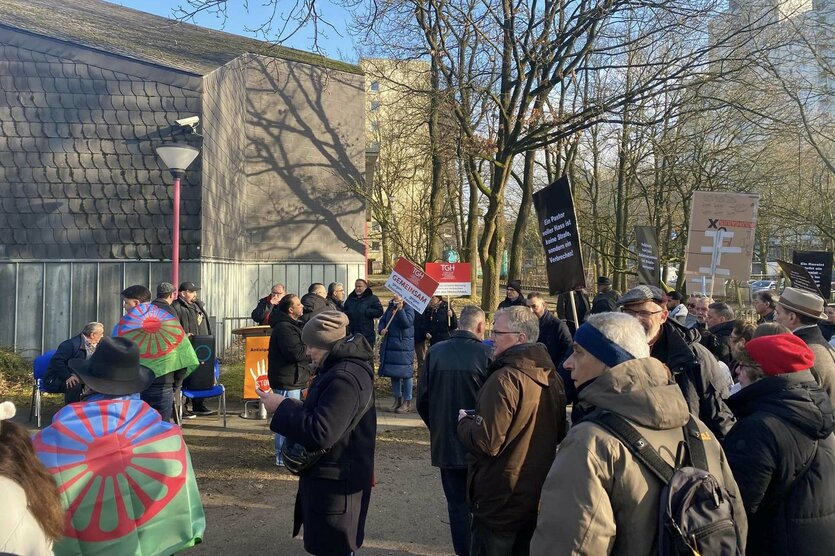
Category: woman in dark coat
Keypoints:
(333, 496)
(362, 307)
(782, 450)
(397, 352)
(440, 320)
(288, 364)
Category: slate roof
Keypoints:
(119, 30)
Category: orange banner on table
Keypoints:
(255, 365)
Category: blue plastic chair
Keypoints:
(216, 391)
(40, 364)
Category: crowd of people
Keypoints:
(650, 424)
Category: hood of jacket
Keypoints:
(354, 347)
(793, 397)
(722, 329)
(640, 390)
(530, 359)
(678, 340)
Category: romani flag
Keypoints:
(163, 345)
(125, 479)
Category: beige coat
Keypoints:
(20, 532)
(597, 498)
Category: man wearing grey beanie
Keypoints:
(342, 388)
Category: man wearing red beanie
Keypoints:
(782, 449)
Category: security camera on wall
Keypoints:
(191, 121)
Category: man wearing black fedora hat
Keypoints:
(800, 312)
(113, 370)
(111, 432)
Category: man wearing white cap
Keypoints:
(800, 312)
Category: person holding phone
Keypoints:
(333, 497)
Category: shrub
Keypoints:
(15, 370)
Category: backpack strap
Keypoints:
(695, 445)
(636, 443)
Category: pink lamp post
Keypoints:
(176, 157)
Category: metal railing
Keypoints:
(228, 345)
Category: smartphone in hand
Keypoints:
(470, 412)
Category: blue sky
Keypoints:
(239, 18)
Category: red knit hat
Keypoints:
(780, 354)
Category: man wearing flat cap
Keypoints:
(124, 475)
(800, 312)
(695, 369)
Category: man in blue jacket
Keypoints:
(59, 378)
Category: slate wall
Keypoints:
(79, 178)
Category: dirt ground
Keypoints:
(249, 501)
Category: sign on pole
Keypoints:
(646, 245)
(720, 242)
(800, 277)
(411, 283)
(560, 236)
(453, 278)
(819, 266)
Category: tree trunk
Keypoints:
(434, 251)
(514, 271)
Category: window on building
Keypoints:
(375, 245)
(375, 105)
(375, 86)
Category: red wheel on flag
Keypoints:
(154, 330)
(114, 479)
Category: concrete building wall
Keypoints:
(223, 156)
(305, 158)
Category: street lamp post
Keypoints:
(176, 157)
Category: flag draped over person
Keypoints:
(163, 345)
(125, 479)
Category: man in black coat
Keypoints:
(266, 305)
(553, 332)
(58, 376)
(717, 338)
(606, 300)
(362, 307)
(313, 303)
(695, 369)
(166, 292)
(513, 294)
(800, 311)
(782, 449)
(452, 375)
(195, 321)
(288, 364)
(336, 296)
(334, 494)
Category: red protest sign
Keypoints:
(411, 283)
(453, 278)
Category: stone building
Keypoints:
(88, 89)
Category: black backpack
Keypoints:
(695, 514)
